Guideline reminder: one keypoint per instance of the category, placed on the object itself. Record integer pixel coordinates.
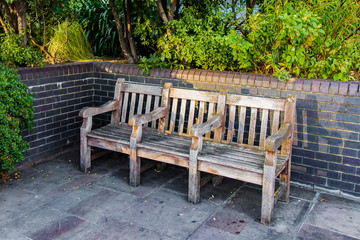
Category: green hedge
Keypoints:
(16, 114)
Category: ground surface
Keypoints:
(54, 200)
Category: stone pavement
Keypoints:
(54, 200)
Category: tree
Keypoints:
(13, 18)
(126, 37)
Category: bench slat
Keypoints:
(230, 132)
(182, 115)
(255, 102)
(132, 105)
(140, 104)
(200, 118)
(264, 122)
(242, 118)
(194, 95)
(252, 126)
(191, 115)
(210, 114)
(156, 104)
(143, 89)
(275, 123)
(173, 115)
(124, 107)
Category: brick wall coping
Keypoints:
(325, 86)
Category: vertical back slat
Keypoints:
(275, 122)
(173, 115)
(148, 103)
(140, 104)
(242, 117)
(191, 115)
(124, 107)
(182, 115)
(201, 112)
(221, 109)
(252, 126)
(156, 104)
(118, 96)
(264, 123)
(230, 132)
(132, 105)
(210, 114)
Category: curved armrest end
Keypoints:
(273, 142)
(197, 130)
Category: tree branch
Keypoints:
(161, 11)
(173, 4)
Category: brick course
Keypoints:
(326, 147)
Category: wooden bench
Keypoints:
(229, 135)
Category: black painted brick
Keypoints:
(342, 168)
(352, 109)
(345, 117)
(303, 153)
(315, 163)
(350, 178)
(340, 184)
(352, 161)
(329, 157)
(306, 104)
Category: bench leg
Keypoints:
(194, 173)
(85, 156)
(268, 188)
(135, 165)
(285, 181)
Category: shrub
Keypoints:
(69, 43)
(14, 54)
(16, 114)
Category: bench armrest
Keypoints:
(140, 119)
(92, 111)
(197, 130)
(273, 142)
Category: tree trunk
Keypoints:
(124, 45)
(22, 20)
(129, 31)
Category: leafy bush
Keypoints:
(99, 25)
(16, 114)
(313, 39)
(14, 54)
(69, 43)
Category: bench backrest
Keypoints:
(248, 120)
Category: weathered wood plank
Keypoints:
(135, 163)
(200, 118)
(194, 95)
(199, 130)
(124, 107)
(239, 174)
(268, 189)
(173, 115)
(275, 122)
(157, 113)
(118, 96)
(231, 123)
(256, 102)
(263, 129)
(165, 102)
(252, 126)
(211, 112)
(242, 118)
(221, 109)
(132, 105)
(182, 115)
(191, 115)
(143, 89)
(156, 105)
(194, 173)
(140, 103)
(85, 149)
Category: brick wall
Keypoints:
(59, 93)
(326, 149)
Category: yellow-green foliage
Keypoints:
(77, 46)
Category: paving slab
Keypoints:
(336, 214)
(125, 231)
(169, 213)
(46, 223)
(215, 193)
(94, 204)
(15, 202)
(309, 232)
(9, 234)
